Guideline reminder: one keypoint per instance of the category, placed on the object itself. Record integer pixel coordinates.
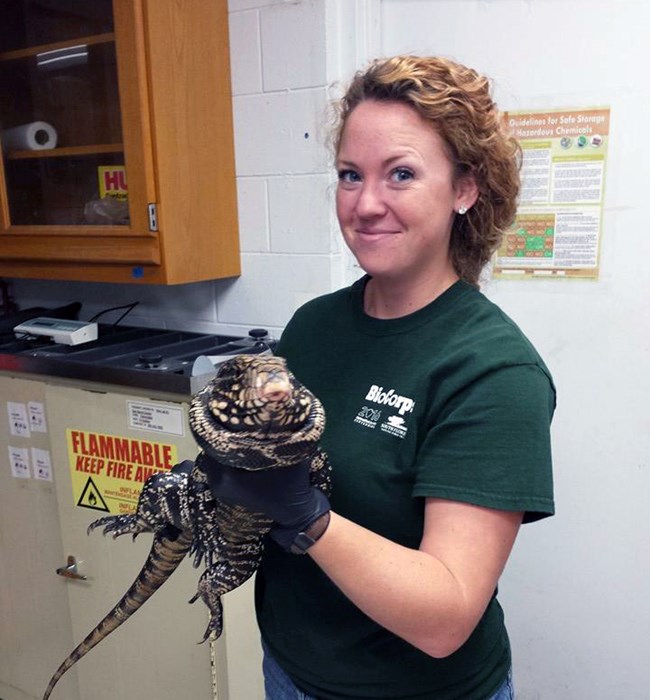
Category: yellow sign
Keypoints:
(112, 181)
(108, 471)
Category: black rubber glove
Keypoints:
(284, 494)
(184, 467)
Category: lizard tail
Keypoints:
(169, 548)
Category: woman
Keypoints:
(438, 413)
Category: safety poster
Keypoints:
(558, 227)
(109, 471)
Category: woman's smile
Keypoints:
(375, 233)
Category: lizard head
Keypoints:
(256, 413)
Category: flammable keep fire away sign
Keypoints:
(108, 471)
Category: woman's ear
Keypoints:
(466, 191)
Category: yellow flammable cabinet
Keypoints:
(73, 452)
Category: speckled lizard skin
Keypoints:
(253, 415)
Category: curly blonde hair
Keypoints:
(456, 101)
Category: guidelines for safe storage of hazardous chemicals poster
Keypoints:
(558, 227)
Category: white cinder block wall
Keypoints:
(279, 84)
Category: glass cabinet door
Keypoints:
(60, 120)
(116, 141)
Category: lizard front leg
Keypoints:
(320, 472)
(163, 501)
(206, 516)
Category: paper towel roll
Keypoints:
(35, 136)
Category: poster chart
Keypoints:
(558, 226)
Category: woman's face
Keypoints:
(396, 196)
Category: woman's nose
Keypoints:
(370, 201)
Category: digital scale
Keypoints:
(60, 330)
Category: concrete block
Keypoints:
(293, 45)
(246, 53)
(279, 133)
(271, 288)
(299, 214)
(253, 214)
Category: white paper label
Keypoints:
(41, 464)
(18, 424)
(157, 418)
(37, 421)
(19, 461)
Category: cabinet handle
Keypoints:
(153, 216)
(70, 570)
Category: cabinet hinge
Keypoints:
(153, 216)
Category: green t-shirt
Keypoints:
(451, 401)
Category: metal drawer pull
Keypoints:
(70, 571)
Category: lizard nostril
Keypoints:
(275, 386)
(274, 393)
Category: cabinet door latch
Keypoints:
(153, 216)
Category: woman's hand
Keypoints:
(283, 494)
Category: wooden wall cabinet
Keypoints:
(138, 93)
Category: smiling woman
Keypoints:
(424, 382)
(396, 202)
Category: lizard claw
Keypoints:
(101, 522)
(120, 525)
(214, 628)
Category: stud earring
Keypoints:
(462, 209)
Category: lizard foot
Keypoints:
(213, 600)
(120, 525)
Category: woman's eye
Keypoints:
(349, 176)
(401, 175)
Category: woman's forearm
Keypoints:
(407, 591)
(434, 596)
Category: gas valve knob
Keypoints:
(258, 333)
(263, 341)
(150, 360)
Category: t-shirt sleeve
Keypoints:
(490, 444)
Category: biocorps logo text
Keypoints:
(390, 398)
